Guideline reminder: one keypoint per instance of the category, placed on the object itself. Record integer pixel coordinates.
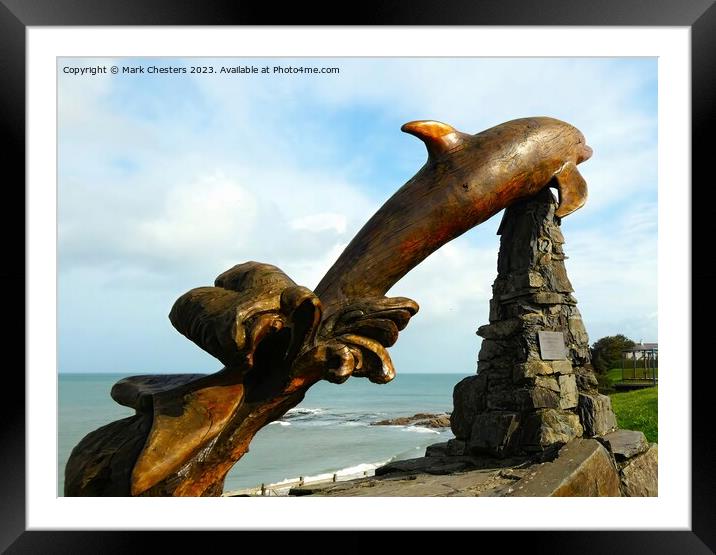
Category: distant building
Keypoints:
(641, 350)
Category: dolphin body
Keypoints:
(466, 180)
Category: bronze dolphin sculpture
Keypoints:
(466, 180)
(276, 339)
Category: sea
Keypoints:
(329, 432)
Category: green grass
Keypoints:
(637, 410)
(615, 374)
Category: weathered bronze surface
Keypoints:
(276, 339)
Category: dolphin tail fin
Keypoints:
(572, 189)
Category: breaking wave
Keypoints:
(298, 412)
(319, 416)
(420, 430)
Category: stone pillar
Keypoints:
(522, 400)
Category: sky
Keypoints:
(167, 180)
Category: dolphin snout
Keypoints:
(584, 154)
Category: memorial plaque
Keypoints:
(551, 345)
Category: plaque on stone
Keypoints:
(551, 345)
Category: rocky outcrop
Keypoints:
(636, 460)
(639, 476)
(625, 444)
(580, 468)
(535, 388)
(421, 419)
(439, 465)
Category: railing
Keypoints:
(280, 489)
(641, 368)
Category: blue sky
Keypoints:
(165, 181)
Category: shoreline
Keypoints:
(419, 422)
(281, 489)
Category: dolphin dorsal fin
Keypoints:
(438, 137)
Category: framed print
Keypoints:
(161, 145)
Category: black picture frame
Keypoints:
(17, 15)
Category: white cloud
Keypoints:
(325, 221)
(195, 219)
(248, 169)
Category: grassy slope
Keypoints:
(637, 410)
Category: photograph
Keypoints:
(357, 276)
(411, 269)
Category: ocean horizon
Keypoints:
(329, 432)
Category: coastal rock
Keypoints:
(427, 465)
(437, 450)
(583, 468)
(451, 448)
(639, 477)
(461, 484)
(421, 419)
(456, 447)
(625, 444)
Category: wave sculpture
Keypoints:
(276, 338)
